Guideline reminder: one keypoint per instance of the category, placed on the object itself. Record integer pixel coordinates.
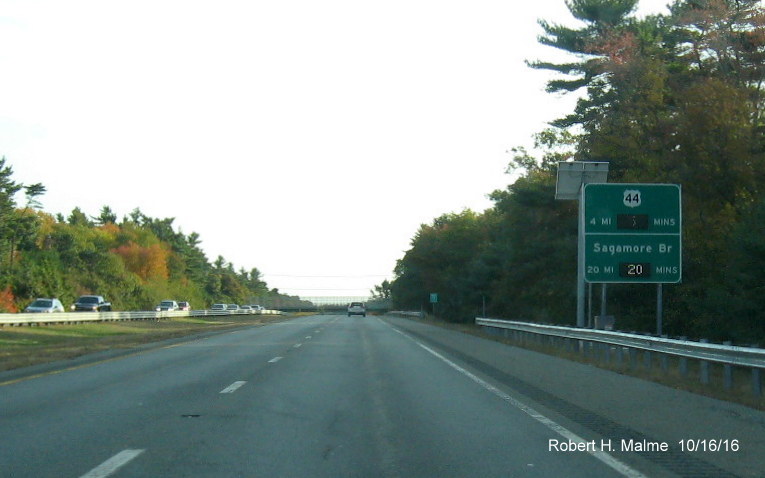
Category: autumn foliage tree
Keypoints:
(135, 262)
(148, 263)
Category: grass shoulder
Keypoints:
(32, 345)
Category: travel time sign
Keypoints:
(632, 233)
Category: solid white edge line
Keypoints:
(233, 387)
(112, 464)
(604, 457)
(296, 346)
(275, 359)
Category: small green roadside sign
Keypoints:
(633, 233)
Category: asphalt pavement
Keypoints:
(337, 396)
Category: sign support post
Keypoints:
(659, 308)
(580, 322)
(572, 176)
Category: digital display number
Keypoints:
(632, 221)
(635, 269)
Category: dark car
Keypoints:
(91, 303)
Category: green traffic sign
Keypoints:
(633, 233)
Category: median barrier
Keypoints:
(32, 319)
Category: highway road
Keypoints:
(336, 396)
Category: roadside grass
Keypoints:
(25, 346)
(653, 368)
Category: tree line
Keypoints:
(672, 98)
(135, 262)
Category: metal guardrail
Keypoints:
(407, 313)
(79, 317)
(726, 355)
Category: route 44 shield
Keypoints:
(632, 198)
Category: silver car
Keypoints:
(169, 305)
(45, 305)
(357, 308)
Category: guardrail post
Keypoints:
(647, 359)
(633, 358)
(663, 359)
(683, 362)
(727, 371)
(704, 367)
(619, 355)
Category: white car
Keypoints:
(357, 308)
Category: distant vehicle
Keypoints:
(357, 308)
(168, 305)
(183, 305)
(247, 309)
(232, 308)
(91, 303)
(45, 305)
(257, 308)
(218, 307)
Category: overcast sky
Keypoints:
(309, 139)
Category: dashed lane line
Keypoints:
(233, 387)
(112, 464)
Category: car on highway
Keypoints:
(45, 305)
(218, 307)
(357, 308)
(91, 303)
(183, 305)
(246, 309)
(232, 307)
(167, 305)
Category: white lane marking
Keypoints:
(297, 346)
(233, 387)
(308, 337)
(112, 464)
(275, 359)
(609, 460)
